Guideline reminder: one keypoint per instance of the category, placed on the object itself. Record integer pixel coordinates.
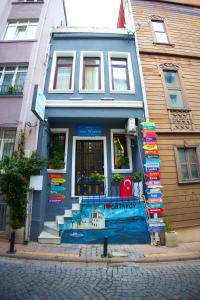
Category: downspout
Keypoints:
(146, 112)
(65, 13)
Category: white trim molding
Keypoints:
(128, 145)
(66, 131)
(53, 70)
(127, 56)
(94, 103)
(92, 138)
(98, 54)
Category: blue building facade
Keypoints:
(93, 105)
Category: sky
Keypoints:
(93, 13)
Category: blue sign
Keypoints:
(154, 195)
(89, 130)
(152, 169)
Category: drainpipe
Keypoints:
(146, 112)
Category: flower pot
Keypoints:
(171, 239)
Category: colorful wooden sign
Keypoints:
(155, 205)
(153, 229)
(154, 195)
(56, 193)
(54, 176)
(150, 147)
(58, 180)
(155, 210)
(156, 200)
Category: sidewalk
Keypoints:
(93, 253)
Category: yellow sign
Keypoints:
(58, 180)
(150, 147)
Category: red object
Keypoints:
(108, 205)
(155, 200)
(121, 18)
(149, 133)
(151, 152)
(57, 197)
(150, 174)
(150, 143)
(54, 176)
(126, 188)
(155, 210)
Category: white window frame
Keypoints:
(3, 141)
(20, 23)
(29, 1)
(98, 54)
(53, 70)
(66, 131)
(15, 72)
(99, 138)
(128, 145)
(130, 72)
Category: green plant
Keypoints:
(14, 181)
(56, 163)
(117, 178)
(168, 225)
(123, 160)
(137, 176)
(98, 177)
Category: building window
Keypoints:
(21, 30)
(12, 79)
(58, 149)
(173, 88)
(7, 142)
(159, 30)
(91, 72)
(121, 73)
(62, 72)
(187, 164)
(121, 151)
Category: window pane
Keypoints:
(7, 80)
(158, 26)
(57, 150)
(31, 31)
(20, 33)
(91, 78)
(182, 156)
(10, 33)
(121, 160)
(161, 37)
(171, 79)
(119, 62)
(176, 99)
(192, 155)
(20, 78)
(194, 171)
(120, 80)
(7, 137)
(91, 61)
(184, 171)
(64, 60)
(63, 78)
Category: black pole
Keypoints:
(12, 243)
(105, 246)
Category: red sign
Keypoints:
(155, 210)
(149, 133)
(150, 143)
(151, 152)
(126, 187)
(54, 176)
(57, 197)
(154, 174)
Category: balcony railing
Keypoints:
(11, 90)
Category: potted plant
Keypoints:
(123, 162)
(99, 178)
(171, 236)
(117, 178)
(56, 163)
(137, 176)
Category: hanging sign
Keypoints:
(154, 195)
(156, 229)
(149, 134)
(38, 103)
(149, 139)
(57, 188)
(155, 210)
(58, 180)
(150, 147)
(155, 200)
(155, 205)
(54, 176)
(152, 169)
(56, 193)
(153, 183)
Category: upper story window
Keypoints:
(92, 77)
(21, 30)
(121, 73)
(7, 142)
(173, 88)
(187, 164)
(121, 151)
(62, 72)
(12, 79)
(159, 29)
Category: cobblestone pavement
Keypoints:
(20, 280)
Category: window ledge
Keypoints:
(164, 44)
(11, 96)
(56, 171)
(60, 91)
(122, 171)
(16, 3)
(17, 41)
(122, 92)
(177, 109)
(189, 181)
(91, 91)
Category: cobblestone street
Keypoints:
(20, 279)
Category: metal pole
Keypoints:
(105, 246)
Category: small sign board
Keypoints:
(38, 103)
(87, 130)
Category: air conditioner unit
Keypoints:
(131, 127)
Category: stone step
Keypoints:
(60, 220)
(52, 228)
(75, 206)
(48, 238)
(68, 213)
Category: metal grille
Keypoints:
(2, 216)
(89, 160)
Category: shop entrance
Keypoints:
(89, 161)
